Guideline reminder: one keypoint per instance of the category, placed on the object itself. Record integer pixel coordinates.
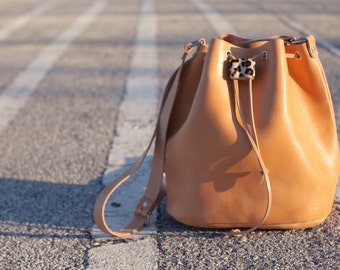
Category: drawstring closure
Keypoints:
(245, 70)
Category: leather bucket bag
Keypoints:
(246, 138)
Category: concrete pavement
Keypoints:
(83, 115)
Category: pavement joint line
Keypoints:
(136, 121)
(135, 124)
(13, 98)
(221, 26)
(22, 20)
(300, 28)
(215, 20)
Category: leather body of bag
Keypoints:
(246, 138)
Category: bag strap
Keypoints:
(155, 189)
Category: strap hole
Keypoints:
(229, 55)
(265, 55)
(297, 55)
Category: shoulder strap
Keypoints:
(155, 190)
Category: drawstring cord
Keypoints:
(251, 134)
(253, 139)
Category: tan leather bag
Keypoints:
(246, 138)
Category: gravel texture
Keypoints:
(183, 247)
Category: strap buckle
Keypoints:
(297, 40)
(192, 44)
(147, 219)
(144, 207)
